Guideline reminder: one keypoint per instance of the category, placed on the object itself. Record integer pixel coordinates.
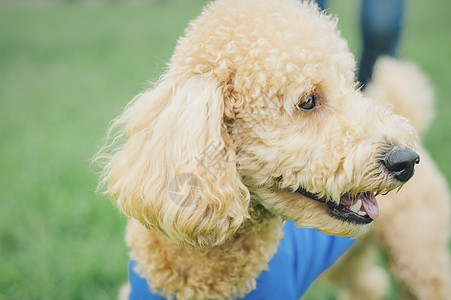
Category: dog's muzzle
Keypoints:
(401, 163)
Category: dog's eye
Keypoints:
(306, 102)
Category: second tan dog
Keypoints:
(413, 227)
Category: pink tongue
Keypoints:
(369, 205)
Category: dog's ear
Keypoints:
(176, 172)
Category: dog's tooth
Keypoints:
(356, 206)
(362, 213)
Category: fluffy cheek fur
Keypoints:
(213, 204)
(330, 152)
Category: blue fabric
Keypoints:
(380, 22)
(139, 288)
(303, 254)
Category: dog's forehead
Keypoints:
(264, 41)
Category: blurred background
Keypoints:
(67, 68)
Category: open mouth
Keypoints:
(360, 209)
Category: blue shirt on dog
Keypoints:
(303, 254)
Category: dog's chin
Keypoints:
(309, 211)
(333, 226)
(349, 218)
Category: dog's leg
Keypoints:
(124, 292)
(356, 276)
(418, 255)
(420, 265)
(413, 227)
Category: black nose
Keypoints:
(401, 163)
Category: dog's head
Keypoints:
(258, 109)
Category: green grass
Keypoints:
(65, 72)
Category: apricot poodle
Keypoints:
(256, 126)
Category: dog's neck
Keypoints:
(225, 271)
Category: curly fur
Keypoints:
(206, 267)
(232, 85)
(402, 85)
(413, 228)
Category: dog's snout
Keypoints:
(401, 163)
